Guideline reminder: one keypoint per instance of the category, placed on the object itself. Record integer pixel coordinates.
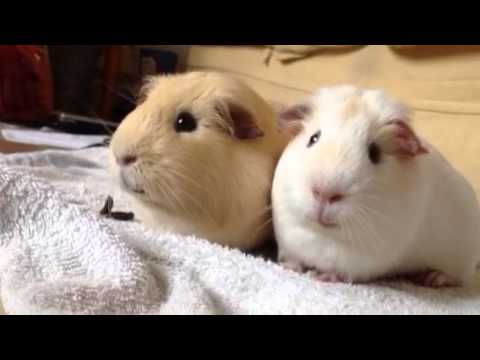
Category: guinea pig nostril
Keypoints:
(326, 196)
(128, 160)
(335, 198)
(319, 195)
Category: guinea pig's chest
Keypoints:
(312, 248)
(327, 252)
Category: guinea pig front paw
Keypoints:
(292, 266)
(434, 279)
(329, 277)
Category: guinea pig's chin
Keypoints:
(131, 183)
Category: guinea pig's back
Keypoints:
(451, 230)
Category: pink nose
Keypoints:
(327, 197)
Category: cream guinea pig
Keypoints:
(357, 196)
(197, 157)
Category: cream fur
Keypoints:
(204, 183)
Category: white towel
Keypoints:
(59, 256)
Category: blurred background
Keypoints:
(83, 90)
(72, 87)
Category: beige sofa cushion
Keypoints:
(440, 83)
(288, 53)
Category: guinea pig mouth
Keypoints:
(131, 185)
(323, 218)
(327, 225)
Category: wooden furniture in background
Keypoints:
(7, 147)
(111, 71)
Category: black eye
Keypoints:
(374, 153)
(314, 139)
(185, 122)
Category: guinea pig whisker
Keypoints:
(352, 230)
(165, 195)
(371, 200)
(345, 232)
(262, 226)
(174, 196)
(119, 94)
(380, 215)
(355, 226)
(362, 225)
(266, 210)
(369, 195)
(197, 208)
(351, 225)
(169, 196)
(269, 207)
(183, 175)
(201, 208)
(367, 220)
(186, 178)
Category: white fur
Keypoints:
(398, 216)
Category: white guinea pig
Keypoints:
(357, 196)
(198, 156)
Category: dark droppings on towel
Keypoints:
(123, 216)
(116, 215)
(107, 208)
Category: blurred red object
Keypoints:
(26, 88)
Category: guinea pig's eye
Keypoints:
(314, 139)
(185, 122)
(374, 153)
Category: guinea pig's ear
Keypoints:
(398, 138)
(291, 119)
(238, 121)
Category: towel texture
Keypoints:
(59, 256)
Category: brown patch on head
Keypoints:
(352, 107)
(330, 150)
